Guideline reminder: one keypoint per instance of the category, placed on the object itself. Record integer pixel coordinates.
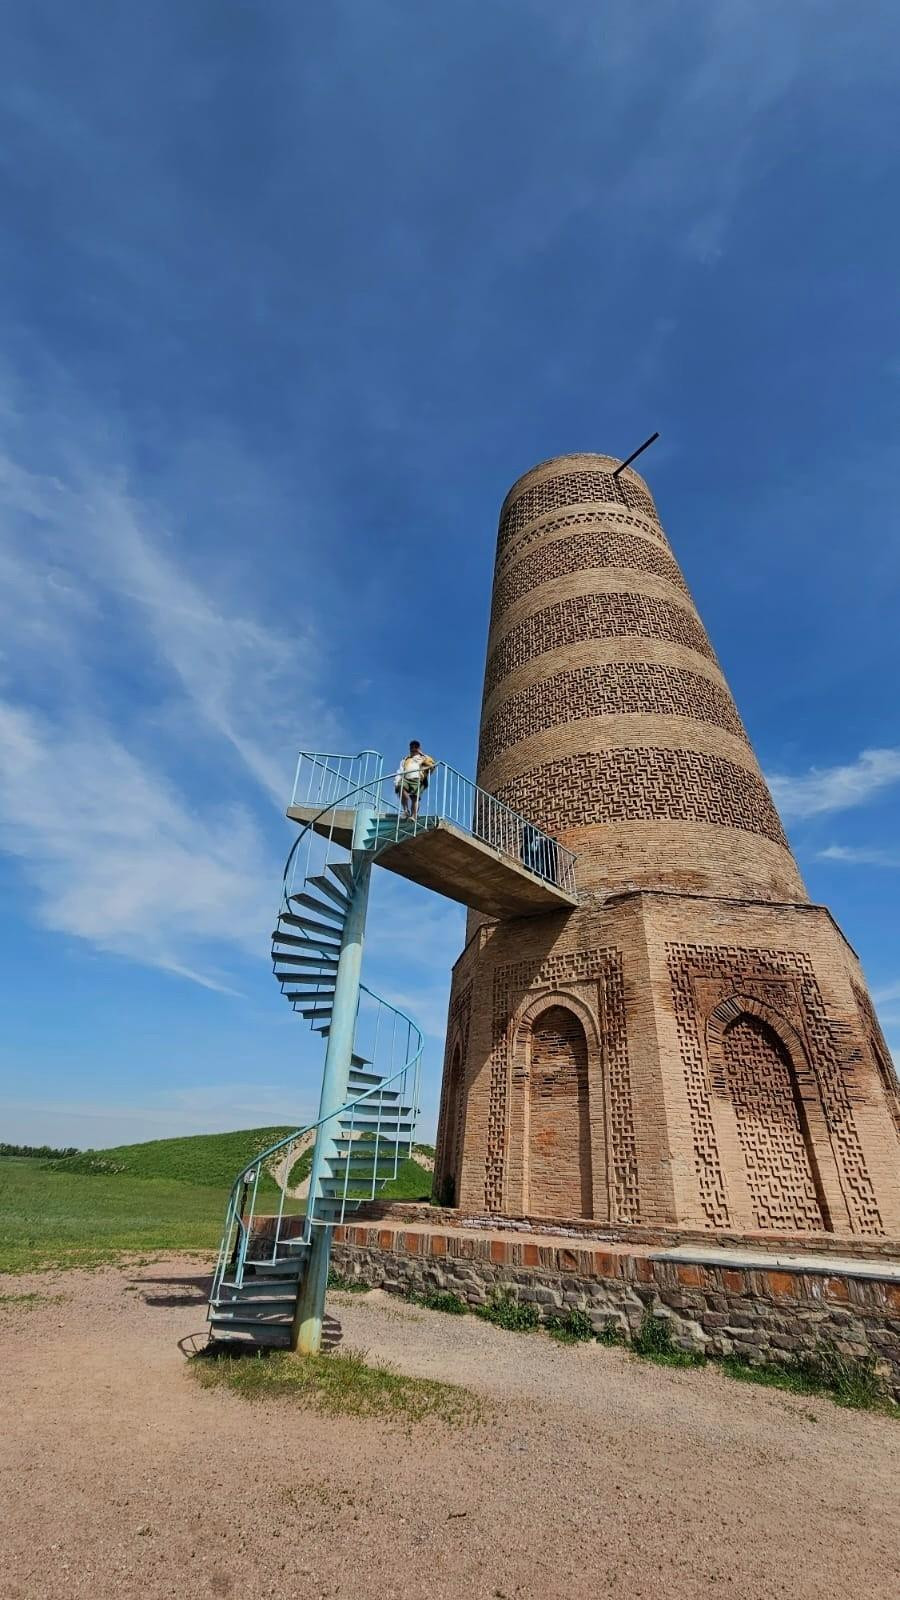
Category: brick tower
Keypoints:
(694, 1046)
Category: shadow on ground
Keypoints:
(193, 1291)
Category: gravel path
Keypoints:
(591, 1474)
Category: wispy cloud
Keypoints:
(884, 996)
(858, 855)
(143, 707)
(115, 856)
(824, 789)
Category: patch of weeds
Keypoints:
(439, 1300)
(610, 1334)
(653, 1341)
(848, 1381)
(336, 1280)
(341, 1384)
(574, 1328)
(32, 1299)
(505, 1311)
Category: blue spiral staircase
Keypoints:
(269, 1282)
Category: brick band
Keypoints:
(626, 688)
(595, 547)
(571, 488)
(644, 785)
(594, 616)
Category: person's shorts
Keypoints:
(410, 785)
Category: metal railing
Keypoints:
(371, 1150)
(330, 781)
(323, 777)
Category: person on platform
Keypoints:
(411, 778)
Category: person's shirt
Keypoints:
(413, 766)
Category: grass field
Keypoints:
(208, 1159)
(63, 1219)
(167, 1194)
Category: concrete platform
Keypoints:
(454, 863)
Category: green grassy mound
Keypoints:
(209, 1159)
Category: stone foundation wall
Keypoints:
(758, 1314)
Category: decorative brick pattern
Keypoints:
(604, 969)
(881, 1054)
(761, 975)
(595, 616)
(603, 517)
(621, 1155)
(559, 1136)
(593, 548)
(451, 1117)
(571, 488)
(622, 688)
(642, 785)
(760, 1079)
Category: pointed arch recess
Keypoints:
(760, 1066)
(556, 1037)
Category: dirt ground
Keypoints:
(591, 1474)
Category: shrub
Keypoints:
(848, 1381)
(574, 1328)
(505, 1311)
(436, 1300)
(610, 1334)
(653, 1341)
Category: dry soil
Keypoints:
(591, 1473)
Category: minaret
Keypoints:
(694, 1045)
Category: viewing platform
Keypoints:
(464, 843)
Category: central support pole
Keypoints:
(306, 1331)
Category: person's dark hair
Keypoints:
(414, 744)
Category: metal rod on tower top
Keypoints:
(635, 453)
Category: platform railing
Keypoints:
(333, 782)
(452, 797)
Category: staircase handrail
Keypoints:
(501, 826)
(253, 1167)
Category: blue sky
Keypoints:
(290, 295)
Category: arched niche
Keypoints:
(780, 1168)
(552, 1053)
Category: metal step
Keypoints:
(320, 993)
(280, 1291)
(313, 1011)
(391, 1146)
(249, 1324)
(314, 930)
(287, 1267)
(321, 907)
(367, 1078)
(376, 1096)
(264, 1338)
(397, 1129)
(343, 871)
(325, 886)
(278, 937)
(327, 963)
(314, 942)
(252, 1303)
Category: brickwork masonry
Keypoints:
(761, 1315)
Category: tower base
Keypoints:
(662, 1058)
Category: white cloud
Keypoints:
(891, 991)
(824, 789)
(856, 855)
(120, 668)
(114, 855)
